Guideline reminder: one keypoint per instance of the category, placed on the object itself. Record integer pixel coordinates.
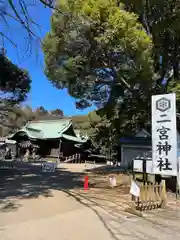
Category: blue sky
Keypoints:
(42, 92)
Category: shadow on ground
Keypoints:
(105, 169)
(32, 183)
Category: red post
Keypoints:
(86, 183)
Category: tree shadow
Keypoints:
(9, 205)
(105, 169)
(32, 183)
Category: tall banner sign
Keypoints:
(164, 135)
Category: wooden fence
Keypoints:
(76, 158)
(152, 196)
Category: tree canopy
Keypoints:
(15, 83)
(112, 54)
(160, 20)
(101, 51)
(103, 56)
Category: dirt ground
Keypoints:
(55, 206)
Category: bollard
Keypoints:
(86, 183)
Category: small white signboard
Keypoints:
(138, 165)
(48, 167)
(164, 135)
(149, 167)
(90, 165)
(135, 189)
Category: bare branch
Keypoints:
(14, 44)
(48, 3)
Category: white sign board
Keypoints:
(164, 135)
(138, 166)
(149, 167)
(48, 167)
(90, 165)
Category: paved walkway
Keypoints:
(53, 218)
(73, 214)
(60, 216)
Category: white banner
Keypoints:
(164, 135)
(134, 190)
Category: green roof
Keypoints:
(48, 129)
(72, 138)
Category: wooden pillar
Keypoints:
(163, 194)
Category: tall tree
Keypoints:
(14, 86)
(14, 81)
(160, 20)
(102, 56)
(16, 119)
